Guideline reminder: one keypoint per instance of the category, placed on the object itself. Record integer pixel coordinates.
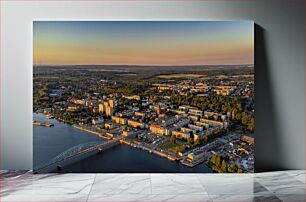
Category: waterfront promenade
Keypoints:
(66, 132)
(92, 131)
(123, 140)
(149, 149)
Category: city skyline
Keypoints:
(147, 43)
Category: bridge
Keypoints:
(75, 152)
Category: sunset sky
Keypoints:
(143, 42)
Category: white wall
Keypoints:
(280, 62)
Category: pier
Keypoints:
(36, 123)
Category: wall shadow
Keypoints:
(268, 155)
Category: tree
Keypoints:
(35, 100)
(218, 161)
(205, 139)
(234, 112)
(215, 168)
(224, 108)
(239, 106)
(223, 167)
(251, 125)
(124, 128)
(200, 141)
(244, 118)
(102, 126)
(42, 92)
(239, 170)
(213, 159)
(190, 141)
(173, 139)
(197, 141)
(232, 168)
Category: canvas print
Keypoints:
(143, 96)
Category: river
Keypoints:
(51, 141)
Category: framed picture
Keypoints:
(143, 96)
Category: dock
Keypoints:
(36, 123)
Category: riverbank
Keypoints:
(136, 145)
(130, 143)
(50, 141)
(157, 153)
(92, 132)
(128, 159)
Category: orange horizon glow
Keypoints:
(143, 43)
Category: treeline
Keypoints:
(128, 88)
(212, 102)
(245, 119)
(224, 104)
(209, 137)
(218, 164)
